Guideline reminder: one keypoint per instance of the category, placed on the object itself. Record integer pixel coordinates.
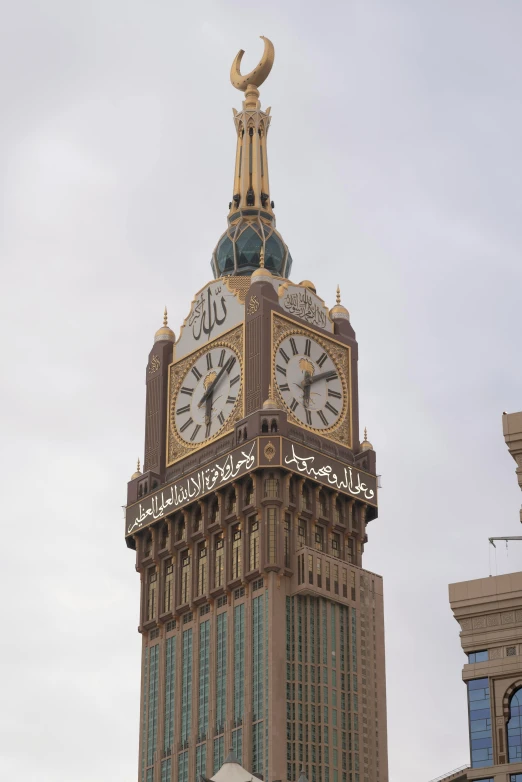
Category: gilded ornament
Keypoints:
(253, 305)
(154, 365)
(269, 451)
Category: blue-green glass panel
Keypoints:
(221, 671)
(204, 677)
(183, 767)
(248, 247)
(186, 685)
(274, 254)
(152, 728)
(201, 760)
(170, 693)
(239, 661)
(144, 716)
(225, 255)
(237, 744)
(219, 753)
(166, 769)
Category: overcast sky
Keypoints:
(395, 168)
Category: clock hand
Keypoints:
(208, 409)
(321, 376)
(214, 383)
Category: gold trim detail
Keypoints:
(341, 431)
(154, 365)
(177, 448)
(269, 451)
(253, 305)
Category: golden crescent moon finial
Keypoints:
(260, 72)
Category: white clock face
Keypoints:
(208, 395)
(309, 382)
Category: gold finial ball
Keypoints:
(366, 444)
(137, 474)
(309, 285)
(262, 274)
(338, 312)
(165, 334)
(270, 403)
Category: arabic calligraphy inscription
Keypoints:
(190, 488)
(302, 303)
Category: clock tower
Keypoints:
(261, 631)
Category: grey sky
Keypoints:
(395, 168)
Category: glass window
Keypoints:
(151, 599)
(271, 486)
(514, 729)
(202, 569)
(185, 577)
(219, 560)
(480, 723)
(478, 657)
(254, 544)
(167, 586)
(272, 519)
(236, 552)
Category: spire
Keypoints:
(138, 471)
(165, 333)
(339, 312)
(251, 216)
(366, 444)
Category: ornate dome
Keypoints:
(238, 250)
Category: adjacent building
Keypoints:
(261, 630)
(489, 612)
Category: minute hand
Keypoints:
(322, 376)
(214, 383)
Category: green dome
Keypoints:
(238, 250)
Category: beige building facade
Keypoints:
(489, 612)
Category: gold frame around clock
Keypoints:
(341, 431)
(177, 448)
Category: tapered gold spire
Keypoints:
(251, 218)
(338, 296)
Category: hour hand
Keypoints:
(208, 409)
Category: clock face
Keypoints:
(207, 395)
(309, 382)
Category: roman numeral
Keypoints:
(281, 369)
(333, 377)
(185, 390)
(308, 345)
(284, 387)
(221, 358)
(182, 410)
(323, 417)
(286, 358)
(209, 360)
(196, 373)
(322, 358)
(221, 418)
(335, 394)
(294, 405)
(195, 433)
(293, 346)
(230, 363)
(231, 400)
(331, 408)
(234, 380)
(308, 416)
(186, 425)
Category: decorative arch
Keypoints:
(516, 685)
(512, 708)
